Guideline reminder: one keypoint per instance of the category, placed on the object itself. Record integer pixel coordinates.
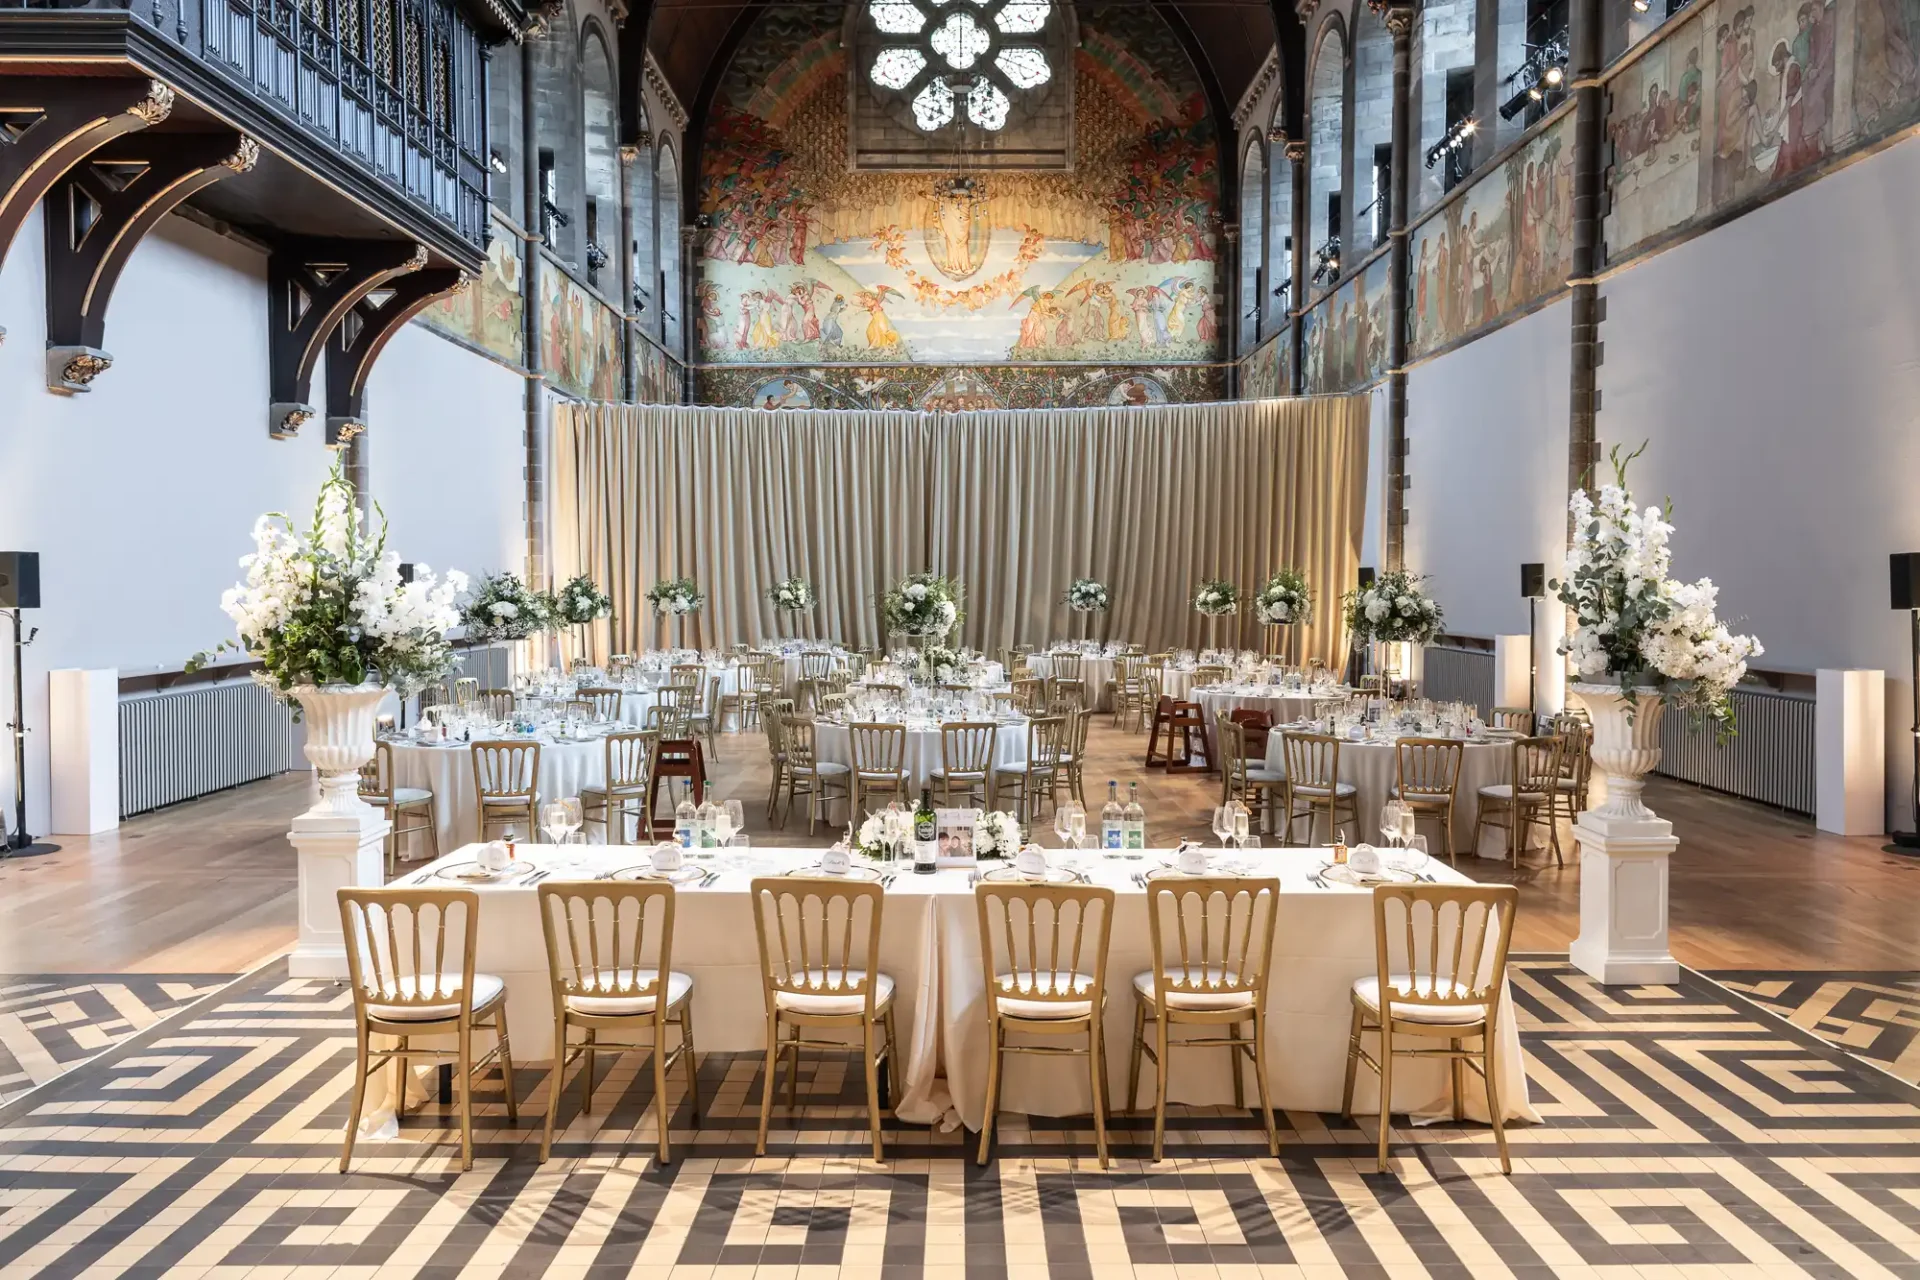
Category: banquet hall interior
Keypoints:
(790, 639)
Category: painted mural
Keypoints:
(1267, 372)
(491, 313)
(656, 375)
(1506, 243)
(806, 261)
(579, 336)
(1344, 338)
(1751, 94)
(936, 388)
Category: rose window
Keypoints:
(945, 57)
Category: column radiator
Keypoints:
(1458, 675)
(1772, 759)
(175, 745)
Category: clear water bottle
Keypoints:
(1133, 820)
(1112, 824)
(684, 821)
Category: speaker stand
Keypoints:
(18, 843)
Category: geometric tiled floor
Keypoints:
(1683, 1136)
(1876, 1015)
(50, 1022)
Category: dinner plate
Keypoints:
(474, 873)
(1343, 873)
(1010, 874)
(858, 871)
(688, 874)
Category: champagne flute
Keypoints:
(1223, 825)
(553, 817)
(575, 817)
(1063, 823)
(736, 817)
(1407, 817)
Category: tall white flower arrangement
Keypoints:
(922, 604)
(1085, 595)
(1633, 623)
(1395, 610)
(793, 595)
(1216, 598)
(676, 595)
(328, 607)
(505, 608)
(1284, 600)
(581, 601)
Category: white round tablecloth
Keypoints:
(1176, 682)
(1369, 766)
(1223, 700)
(565, 767)
(1096, 671)
(792, 671)
(634, 705)
(832, 743)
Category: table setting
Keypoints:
(924, 712)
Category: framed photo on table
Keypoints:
(955, 838)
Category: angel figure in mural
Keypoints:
(763, 336)
(707, 301)
(1204, 324)
(1037, 330)
(743, 332)
(880, 331)
(807, 321)
(1148, 304)
(830, 332)
(1117, 324)
(1184, 293)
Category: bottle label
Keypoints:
(1110, 835)
(684, 835)
(1136, 837)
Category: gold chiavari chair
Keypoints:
(1426, 774)
(377, 789)
(581, 708)
(1373, 686)
(1449, 990)
(776, 756)
(1035, 777)
(1064, 665)
(833, 704)
(820, 966)
(810, 776)
(465, 690)
(1209, 971)
(1526, 798)
(1027, 933)
(815, 663)
(893, 690)
(410, 963)
(1066, 696)
(629, 774)
(1313, 777)
(687, 674)
(966, 759)
(806, 693)
(506, 781)
(1244, 778)
(744, 706)
(879, 762)
(612, 970)
(605, 703)
(1211, 673)
(498, 703)
(1029, 694)
(1576, 770)
(1073, 757)
(1324, 707)
(1129, 690)
(434, 695)
(1519, 719)
(706, 711)
(1158, 661)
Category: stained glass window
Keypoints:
(986, 105)
(1023, 17)
(1025, 67)
(960, 41)
(933, 107)
(946, 36)
(897, 18)
(896, 68)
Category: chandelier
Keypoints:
(950, 56)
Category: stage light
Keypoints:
(1554, 75)
(1453, 140)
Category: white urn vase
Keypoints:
(340, 720)
(1626, 745)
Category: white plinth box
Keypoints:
(83, 741)
(1623, 900)
(1511, 672)
(1850, 752)
(335, 851)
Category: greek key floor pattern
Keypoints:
(1876, 1015)
(1684, 1134)
(49, 1022)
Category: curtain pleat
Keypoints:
(1013, 505)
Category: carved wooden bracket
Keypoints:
(98, 214)
(48, 124)
(359, 338)
(311, 286)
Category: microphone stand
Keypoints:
(19, 843)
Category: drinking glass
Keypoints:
(576, 818)
(554, 818)
(1078, 832)
(1390, 821)
(1406, 823)
(1241, 824)
(1223, 825)
(1415, 857)
(736, 816)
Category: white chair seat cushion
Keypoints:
(831, 999)
(1341, 789)
(1367, 992)
(486, 989)
(1144, 984)
(827, 767)
(411, 795)
(1566, 784)
(612, 1003)
(1260, 773)
(1013, 985)
(1504, 791)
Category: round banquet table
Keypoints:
(1096, 671)
(791, 672)
(1218, 700)
(634, 705)
(834, 744)
(1176, 682)
(565, 767)
(1369, 766)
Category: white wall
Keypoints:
(1487, 455)
(140, 495)
(1373, 530)
(1773, 365)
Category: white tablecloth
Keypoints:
(565, 767)
(1096, 672)
(1223, 700)
(792, 672)
(832, 742)
(930, 947)
(1369, 766)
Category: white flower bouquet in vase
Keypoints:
(504, 608)
(924, 606)
(791, 597)
(1285, 601)
(1086, 597)
(579, 603)
(675, 598)
(1640, 639)
(1213, 599)
(334, 628)
(1394, 611)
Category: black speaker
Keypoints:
(1533, 581)
(406, 571)
(1366, 576)
(1906, 578)
(19, 579)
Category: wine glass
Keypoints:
(1242, 823)
(1390, 821)
(575, 817)
(1414, 858)
(736, 817)
(1063, 824)
(1078, 833)
(553, 817)
(1223, 825)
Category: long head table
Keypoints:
(1323, 941)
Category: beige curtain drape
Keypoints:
(1014, 505)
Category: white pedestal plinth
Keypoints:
(1512, 672)
(335, 851)
(83, 712)
(1850, 752)
(1623, 899)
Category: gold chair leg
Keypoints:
(896, 1075)
(506, 1059)
(555, 1082)
(793, 1072)
(1139, 1044)
(359, 1094)
(1160, 1085)
(873, 1088)
(692, 1057)
(1096, 1074)
(1386, 1083)
(1456, 1080)
(1353, 1061)
(766, 1081)
(662, 1104)
(993, 1088)
(586, 1074)
(1233, 1062)
(465, 1071)
(1260, 1082)
(1493, 1098)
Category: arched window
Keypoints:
(1326, 108)
(1253, 245)
(1372, 130)
(600, 120)
(645, 218)
(561, 215)
(1279, 285)
(668, 203)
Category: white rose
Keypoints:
(504, 609)
(1376, 610)
(948, 612)
(916, 591)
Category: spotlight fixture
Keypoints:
(499, 165)
(1641, 6)
(1555, 75)
(1326, 261)
(1544, 72)
(1455, 139)
(1280, 290)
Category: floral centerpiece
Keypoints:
(1394, 610)
(939, 663)
(679, 596)
(581, 601)
(1634, 626)
(504, 608)
(996, 835)
(922, 604)
(1085, 595)
(1285, 600)
(795, 595)
(1216, 598)
(333, 626)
